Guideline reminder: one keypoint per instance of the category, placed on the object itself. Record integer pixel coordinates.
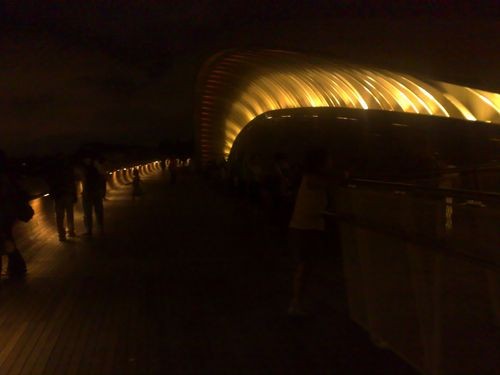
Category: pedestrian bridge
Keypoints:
(193, 279)
(186, 279)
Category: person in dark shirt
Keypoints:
(62, 186)
(92, 195)
(99, 163)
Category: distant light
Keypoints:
(46, 195)
(347, 118)
(401, 125)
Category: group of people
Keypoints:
(264, 181)
(304, 193)
(62, 180)
(62, 177)
(305, 196)
(172, 164)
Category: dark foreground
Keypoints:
(185, 280)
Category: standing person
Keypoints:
(172, 167)
(92, 196)
(163, 165)
(99, 164)
(13, 206)
(136, 184)
(307, 225)
(62, 186)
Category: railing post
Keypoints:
(350, 254)
(494, 292)
(427, 290)
(364, 249)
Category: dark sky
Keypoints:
(75, 71)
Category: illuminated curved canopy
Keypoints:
(234, 87)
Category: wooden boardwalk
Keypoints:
(185, 280)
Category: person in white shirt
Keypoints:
(307, 224)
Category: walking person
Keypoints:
(92, 196)
(13, 206)
(62, 185)
(307, 225)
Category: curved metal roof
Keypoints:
(234, 87)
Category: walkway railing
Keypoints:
(422, 272)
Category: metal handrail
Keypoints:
(446, 171)
(427, 243)
(428, 189)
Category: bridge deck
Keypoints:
(185, 280)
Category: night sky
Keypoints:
(124, 71)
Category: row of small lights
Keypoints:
(135, 167)
(126, 169)
(118, 170)
(141, 165)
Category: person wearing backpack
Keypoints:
(13, 206)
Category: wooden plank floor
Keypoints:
(186, 280)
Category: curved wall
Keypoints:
(234, 87)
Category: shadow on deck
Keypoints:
(185, 280)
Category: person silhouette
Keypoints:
(136, 184)
(307, 224)
(92, 195)
(13, 206)
(62, 189)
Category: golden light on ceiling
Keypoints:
(236, 87)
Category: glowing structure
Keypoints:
(234, 87)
